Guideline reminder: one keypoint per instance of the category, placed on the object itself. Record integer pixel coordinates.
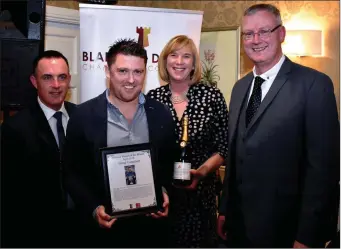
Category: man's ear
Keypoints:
(107, 72)
(282, 33)
(69, 76)
(33, 81)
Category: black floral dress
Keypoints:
(193, 214)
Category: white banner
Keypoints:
(102, 25)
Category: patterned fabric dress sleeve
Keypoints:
(220, 124)
(151, 93)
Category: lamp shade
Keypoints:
(303, 43)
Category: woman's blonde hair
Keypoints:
(174, 44)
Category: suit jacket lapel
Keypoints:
(69, 108)
(43, 128)
(236, 107)
(278, 83)
(151, 118)
(100, 121)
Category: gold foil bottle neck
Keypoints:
(184, 138)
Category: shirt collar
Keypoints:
(271, 72)
(50, 112)
(142, 99)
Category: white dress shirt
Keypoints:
(52, 120)
(269, 77)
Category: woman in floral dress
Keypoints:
(193, 208)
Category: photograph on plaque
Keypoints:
(129, 180)
(130, 174)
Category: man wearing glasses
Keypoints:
(281, 185)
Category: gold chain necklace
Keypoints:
(177, 99)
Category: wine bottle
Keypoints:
(182, 175)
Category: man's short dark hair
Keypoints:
(48, 54)
(126, 47)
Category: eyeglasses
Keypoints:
(262, 33)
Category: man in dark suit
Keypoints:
(34, 211)
(283, 164)
(121, 115)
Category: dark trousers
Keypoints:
(132, 232)
(42, 231)
(335, 242)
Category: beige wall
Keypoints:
(323, 14)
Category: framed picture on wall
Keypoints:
(220, 57)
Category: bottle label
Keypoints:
(181, 171)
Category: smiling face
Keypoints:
(264, 52)
(52, 80)
(126, 77)
(179, 65)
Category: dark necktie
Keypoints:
(61, 139)
(60, 130)
(255, 99)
